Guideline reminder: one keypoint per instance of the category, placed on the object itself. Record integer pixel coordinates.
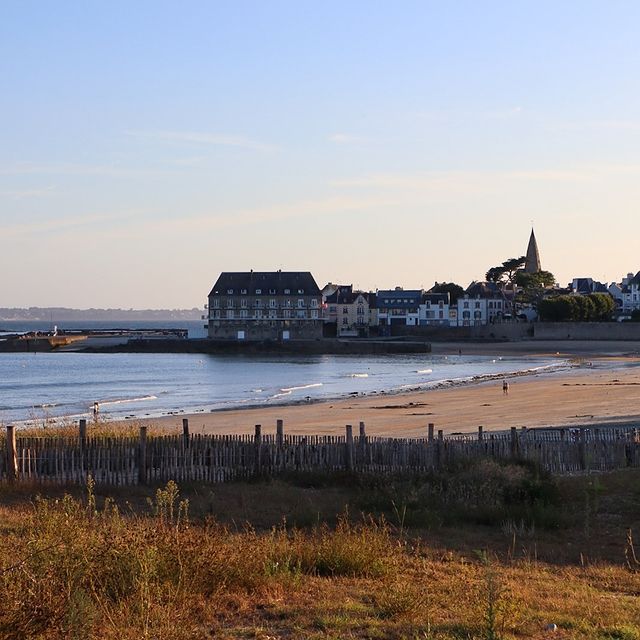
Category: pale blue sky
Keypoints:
(148, 146)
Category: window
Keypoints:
(301, 314)
(477, 305)
(216, 314)
(360, 310)
(345, 320)
(466, 306)
(230, 303)
(272, 303)
(272, 292)
(216, 303)
(301, 291)
(287, 292)
(243, 292)
(229, 292)
(258, 292)
(332, 309)
(244, 313)
(345, 309)
(314, 302)
(314, 314)
(230, 314)
(257, 304)
(300, 303)
(272, 313)
(286, 313)
(243, 303)
(257, 313)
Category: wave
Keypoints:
(304, 386)
(358, 375)
(424, 371)
(126, 400)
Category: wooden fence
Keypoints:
(186, 457)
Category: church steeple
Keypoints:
(532, 264)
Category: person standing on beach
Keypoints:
(505, 387)
(96, 408)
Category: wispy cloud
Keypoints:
(75, 169)
(345, 138)
(21, 194)
(438, 180)
(204, 138)
(63, 224)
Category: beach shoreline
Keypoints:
(578, 388)
(599, 386)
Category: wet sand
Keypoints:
(606, 392)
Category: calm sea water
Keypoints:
(66, 384)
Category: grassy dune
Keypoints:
(491, 551)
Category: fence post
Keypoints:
(12, 454)
(142, 456)
(279, 433)
(430, 432)
(440, 449)
(480, 434)
(582, 448)
(349, 447)
(82, 432)
(258, 448)
(363, 432)
(185, 432)
(514, 442)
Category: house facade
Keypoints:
(483, 303)
(434, 310)
(630, 293)
(399, 306)
(354, 312)
(265, 305)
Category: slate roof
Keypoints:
(435, 298)
(399, 298)
(635, 279)
(346, 295)
(487, 290)
(267, 282)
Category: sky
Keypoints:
(147, 146)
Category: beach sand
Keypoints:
(585, 395)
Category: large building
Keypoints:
(265, 305)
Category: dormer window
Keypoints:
(229, 292)
(300, 291)
(258, 292)
(287, 292)
(272, 292)
(243, 292)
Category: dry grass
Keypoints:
(82, 567)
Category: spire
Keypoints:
(532, 264)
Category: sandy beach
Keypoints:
(602, 388)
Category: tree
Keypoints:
(455, 291)
(538, 280)
(590, 308)
(506, 271)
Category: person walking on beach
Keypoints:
(96, 408)
(505, 387)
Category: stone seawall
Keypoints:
(586, 330)
(321, 346)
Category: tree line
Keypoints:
(593, 307)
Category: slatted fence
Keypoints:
(128, 460)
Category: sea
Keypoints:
(37, 387)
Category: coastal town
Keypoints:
(285, 305)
